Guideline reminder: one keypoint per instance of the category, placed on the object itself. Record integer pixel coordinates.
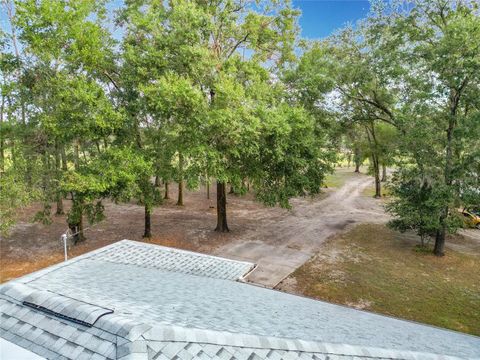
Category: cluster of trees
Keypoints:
(98, 104)
(409, 77)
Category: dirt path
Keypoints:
(281, 244)
(278, 240)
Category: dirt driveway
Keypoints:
(278, 240)
(281, 244)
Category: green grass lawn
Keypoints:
(374, 268)
(339, 177)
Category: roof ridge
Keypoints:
(156, 308)
(168, 259)
(54, 304)
(190, 252)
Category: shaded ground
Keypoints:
(278, 240)
(31, 246)
(374, 268)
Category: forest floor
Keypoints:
(374, 268)
(278, 240)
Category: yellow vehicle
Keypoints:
(472, 217)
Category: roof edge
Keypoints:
(191, 335)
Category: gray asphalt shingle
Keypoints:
(174, 260)
(170, 304)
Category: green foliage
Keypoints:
(442, 49)
(293, 159)
(406, 76)
(196, 90)
(418, 203)
(114, 174)
(14, 194)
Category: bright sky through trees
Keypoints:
(322, 17)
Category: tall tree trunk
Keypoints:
(221, 194)
(46, 174)
(357, 159)
(74, 231)
(166, 197)
(376, 170)
(81, 235)
(441, 233)
(148, 222)
(76, 224)
(372, 140)
(384, 172)
(208, 189)
(157, 181)
(180, 180)
(64, 158)
(439, 248)
(454, 100)
(180, 193)
(221, 208)
(58, 192)
(76, 154)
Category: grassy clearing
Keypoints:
(339, 177)
(374, 268)
(369, 191)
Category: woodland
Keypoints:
(119, 103)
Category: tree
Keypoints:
(354, 138)
(267, 32)
(118, 173)
(14, 194)
(295, 155)
(441, 46)
(16, 168)
(380, 144)
(67, 107)
(418, 203)
(345, 77)
(369, 94)
(161, 48)
(178, 108)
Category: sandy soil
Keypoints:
(280, 244)
(278, 240)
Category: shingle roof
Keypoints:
(192, 308)
(173, 260)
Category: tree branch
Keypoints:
(238, 43)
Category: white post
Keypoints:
(64, 239)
